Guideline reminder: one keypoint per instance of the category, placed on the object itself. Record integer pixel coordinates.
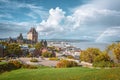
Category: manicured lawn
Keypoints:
(2, 63)
(76, 73)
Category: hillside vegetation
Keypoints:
(75, 73)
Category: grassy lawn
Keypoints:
(62, 74)
(2, 63)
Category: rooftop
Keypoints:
(32, 30)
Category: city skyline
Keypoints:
(96, 20)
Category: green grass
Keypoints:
(2, 63)
(76, 73)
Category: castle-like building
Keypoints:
(32, 37)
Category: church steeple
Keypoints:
(20, 37)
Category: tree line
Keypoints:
(109, 57)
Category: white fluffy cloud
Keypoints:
(95, 13)
(91, 19)
(53, 23)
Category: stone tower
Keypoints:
(20, 38)
(32, 35)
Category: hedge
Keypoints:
(12, 65)
(66, 63)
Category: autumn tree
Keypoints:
(89, 54)
(47, 54)
(38, 45)
(110, 47)
(13, 49)
(4, 44)
(102, 57)
(115, 49)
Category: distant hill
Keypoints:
(66, 40)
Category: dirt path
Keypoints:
(41, 61)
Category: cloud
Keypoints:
(93, 14)
(94, 19)
(32, 15)
(36, 10)
(21, 8)
(112, 32)
(13, 29)
(17, 17)
(53, 23)
(6, 15)
(87, 21)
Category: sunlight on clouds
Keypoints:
(87, 17)
(91, 20)
(56, 16)
(53, 23)
(113, 32)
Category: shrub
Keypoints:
(89, 54)
(70, 57)
(16, 63)
(104, 64)
(53, 58)
(47, 54)
(102, 57)
(11, 65)
(2, 59)
(29, 66)
(66, 63)
(4, 67)
(29, 55)
(33, 60)
(117, 65)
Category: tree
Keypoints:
(48, 54)
(30, 45)
(45, 43)
(89, 54)
(102, 57)
(38, 45)
(115, 49)
(13, 49)
(4, 44)
(110, 47)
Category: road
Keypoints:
(41, 61)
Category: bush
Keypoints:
(4, 67)
(47, 54)
(70, 57)
(29, 55)
(2, 59)
(16, 63)
(102, 57)
(89, 54)
(66, 63)
(53, 58)
(104, 64)
(33, 60)
(11, 65)
(29, 66)
(117, 65)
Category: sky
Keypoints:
(95, 20)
